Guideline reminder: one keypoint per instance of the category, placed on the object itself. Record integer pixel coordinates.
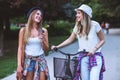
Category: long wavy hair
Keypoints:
(29, 26)
(83, 26)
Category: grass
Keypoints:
(8, 62)
(8, 66)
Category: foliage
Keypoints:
(76, 2)
(60, 27)
(113, 7)
(112, 14)
(21, 19)
(97, 10)
(8, 61)
(60, 9)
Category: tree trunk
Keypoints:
(1, 37)
(7, 23)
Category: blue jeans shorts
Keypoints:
(32, 65)
(41, 64)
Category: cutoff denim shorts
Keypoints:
(32, 65)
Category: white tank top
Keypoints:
(34, 47)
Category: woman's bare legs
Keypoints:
(42, 75)
(29, 76)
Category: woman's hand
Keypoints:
(42, 36)
(92, 52)
(19, 73)
(19, 69)
(44, 39)
(53, 47)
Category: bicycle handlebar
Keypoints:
(84, 51)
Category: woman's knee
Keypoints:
(29, 76)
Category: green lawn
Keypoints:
(8, 62)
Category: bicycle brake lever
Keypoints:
(84, 51)
(55, 49)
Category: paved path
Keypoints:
(111, 51)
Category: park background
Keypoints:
(59, 17)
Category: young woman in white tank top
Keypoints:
(32, 38)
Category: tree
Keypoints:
(112, 14)
(3, 19)
(1, 37)
(112, 7)
(6, 7)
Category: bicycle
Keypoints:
(67, 66)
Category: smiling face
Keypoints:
(35, 19)
(79, 15)
(38, 16)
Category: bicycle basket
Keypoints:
(63, 68)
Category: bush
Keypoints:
(59, 28)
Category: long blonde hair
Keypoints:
(83, 27)
(29, 26)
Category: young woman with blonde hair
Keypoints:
(33, 41)
(91, 39)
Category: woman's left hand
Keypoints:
(44, 39)
(91, 52)
(42, 35)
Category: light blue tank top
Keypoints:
(34, 47)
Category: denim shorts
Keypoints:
(36, 65)
(33, 63)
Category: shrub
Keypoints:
(59, 28)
